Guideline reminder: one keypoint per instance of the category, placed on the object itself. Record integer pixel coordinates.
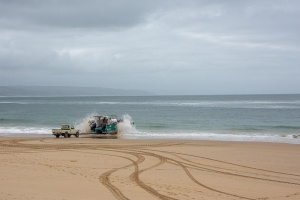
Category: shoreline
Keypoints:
(241, 138)
(97, 168)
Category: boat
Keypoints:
(104, 124)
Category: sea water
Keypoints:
(269, 118)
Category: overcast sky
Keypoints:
(162, 46)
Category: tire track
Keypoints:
(142, 151)
(104, 178)
(228, 163)
(207, 187)
(183, 165)
(197, 165)
(17, 144)
(170, 160)
(134, 177)
(206, 168)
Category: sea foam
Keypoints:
(124, 127)
(24, 130)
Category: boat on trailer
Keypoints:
(104, 124)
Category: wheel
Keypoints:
(66, 135)
(98, 131)
(57, 136)
(77, 134)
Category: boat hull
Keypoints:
(108, 129)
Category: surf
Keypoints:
(124, 127)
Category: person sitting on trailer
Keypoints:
(104, 123)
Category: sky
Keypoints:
(182, 47)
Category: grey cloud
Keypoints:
(76, 13)
(171, 46)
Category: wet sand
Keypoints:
(97, 168)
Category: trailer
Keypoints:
(104, 124)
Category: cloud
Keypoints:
(178, 47)
(76, 13)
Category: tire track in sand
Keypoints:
(134, 177)
(140, 152)
(185, 167)
(181, 164)
(105, 180)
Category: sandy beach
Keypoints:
(95, 168)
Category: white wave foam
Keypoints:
(126, 127)
(24, 130)
(83, 124)
(292, 139)
(197, 103)
(13, 102)
(126, 130)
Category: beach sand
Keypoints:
(97, 168)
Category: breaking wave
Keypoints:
(124, 127)
(24, 130)
(288, 138)
(83, 124)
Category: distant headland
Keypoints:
(68, 91)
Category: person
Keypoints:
(104, 123)
(98, 122)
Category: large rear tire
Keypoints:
(57, 136)
(77, 134)
(66, 135)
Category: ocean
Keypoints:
(266, 118)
